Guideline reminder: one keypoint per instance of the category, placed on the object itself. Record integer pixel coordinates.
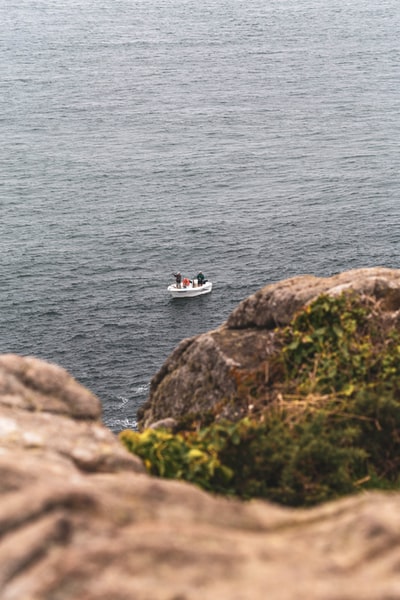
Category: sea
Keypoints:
(254, 140)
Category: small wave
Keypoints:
(141, 389)
(118, 425)
(51, 313)
(122, 400)
(78, 336)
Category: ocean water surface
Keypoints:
(253, 140)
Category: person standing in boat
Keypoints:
(178, 279)
(201, 279)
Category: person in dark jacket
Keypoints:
(201, 279)
(178, 279)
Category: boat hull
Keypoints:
(190, 291)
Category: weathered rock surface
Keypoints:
(208, 370)
(55, 421)
(79, 519)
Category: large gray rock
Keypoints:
(209, 372)
(276, 304)
(30, 384)
(46, 413)
(79, 519)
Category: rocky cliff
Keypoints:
(80, 518)
(206, 373)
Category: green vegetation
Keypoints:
(332, 426)
(187, 456)
(339, 345)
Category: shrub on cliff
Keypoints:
(340, 345)
(189, 456)
(334, 428)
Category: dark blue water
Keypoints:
(253, 140)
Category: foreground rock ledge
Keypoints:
(203, 372)
(79, 518)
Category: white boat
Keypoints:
(189, 291)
